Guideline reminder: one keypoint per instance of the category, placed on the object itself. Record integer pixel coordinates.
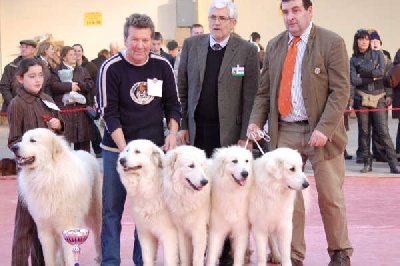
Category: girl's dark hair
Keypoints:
(360, 34)
(25, 63)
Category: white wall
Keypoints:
(24, 19)
(21, 19)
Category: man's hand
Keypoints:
(317, 139)
(242, 142)
(184, 136)
(253, 132)
(171, 141)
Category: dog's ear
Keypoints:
(274, 166)
(170, 159)
(157, 155)
(57, 147)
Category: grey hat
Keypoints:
(28, 42)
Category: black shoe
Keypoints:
(347, 156)
(394, 170)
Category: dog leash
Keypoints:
(259, 134)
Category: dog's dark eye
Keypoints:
(32, 140)
(292, 169)
(247, 161)
(234, 161)
(191, 165)
(137, 151)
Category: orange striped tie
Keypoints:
(285, 98)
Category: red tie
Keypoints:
(285, 98)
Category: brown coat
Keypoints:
(25, 113)
(79, 127)
(325, 84)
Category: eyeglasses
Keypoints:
(219, 18)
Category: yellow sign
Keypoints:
(93, 19)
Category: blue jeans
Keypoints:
(114, 195)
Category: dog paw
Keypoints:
(273, 259)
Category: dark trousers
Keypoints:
(379, 121)
(97, 140)
(208, 139)
(84, 145)
(26, 240)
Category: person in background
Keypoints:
(45, 51)
(255, 39)
(8, 84)
(131, 111)
(156, 45)
(102, 56)
(195, 29)
(173, 51)
(392, 80)
(217, 81)
(378, 150)
(79, 128)
(303, 92)
(81, 60)
(367, 68)
(114, 48)
(25, 112)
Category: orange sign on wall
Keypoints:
(93, 19)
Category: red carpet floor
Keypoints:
(373, 209)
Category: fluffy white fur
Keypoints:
(232, 178)
(278, 174)
(62, 189)
(187, 195)
(140, 169)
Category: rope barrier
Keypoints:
(64, 111)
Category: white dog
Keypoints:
(140, 169)
(232, 178)
(61, 188)
(278, 174)
(187, 195)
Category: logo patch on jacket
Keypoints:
(139, 93)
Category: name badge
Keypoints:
(51, 105)
(154, 87)
(238, 71)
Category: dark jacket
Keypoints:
(99, 61)
(392, 80)
(92, 69)
(364, 68)
(79, 127)
(9, 86)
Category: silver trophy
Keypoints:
(76, 237)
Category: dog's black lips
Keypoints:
(137, 167)
(240, 183)
(192, 185)
(21, 161)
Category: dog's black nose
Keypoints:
(122, 161)
(204, 182)
(14, 148)
(244, 174)
(305, 184)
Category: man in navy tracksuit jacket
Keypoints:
(135, 90)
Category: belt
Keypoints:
(300, 122)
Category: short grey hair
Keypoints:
(222, 4)
(140, 21)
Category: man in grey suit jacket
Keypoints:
(217, 87)
(320, 91)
